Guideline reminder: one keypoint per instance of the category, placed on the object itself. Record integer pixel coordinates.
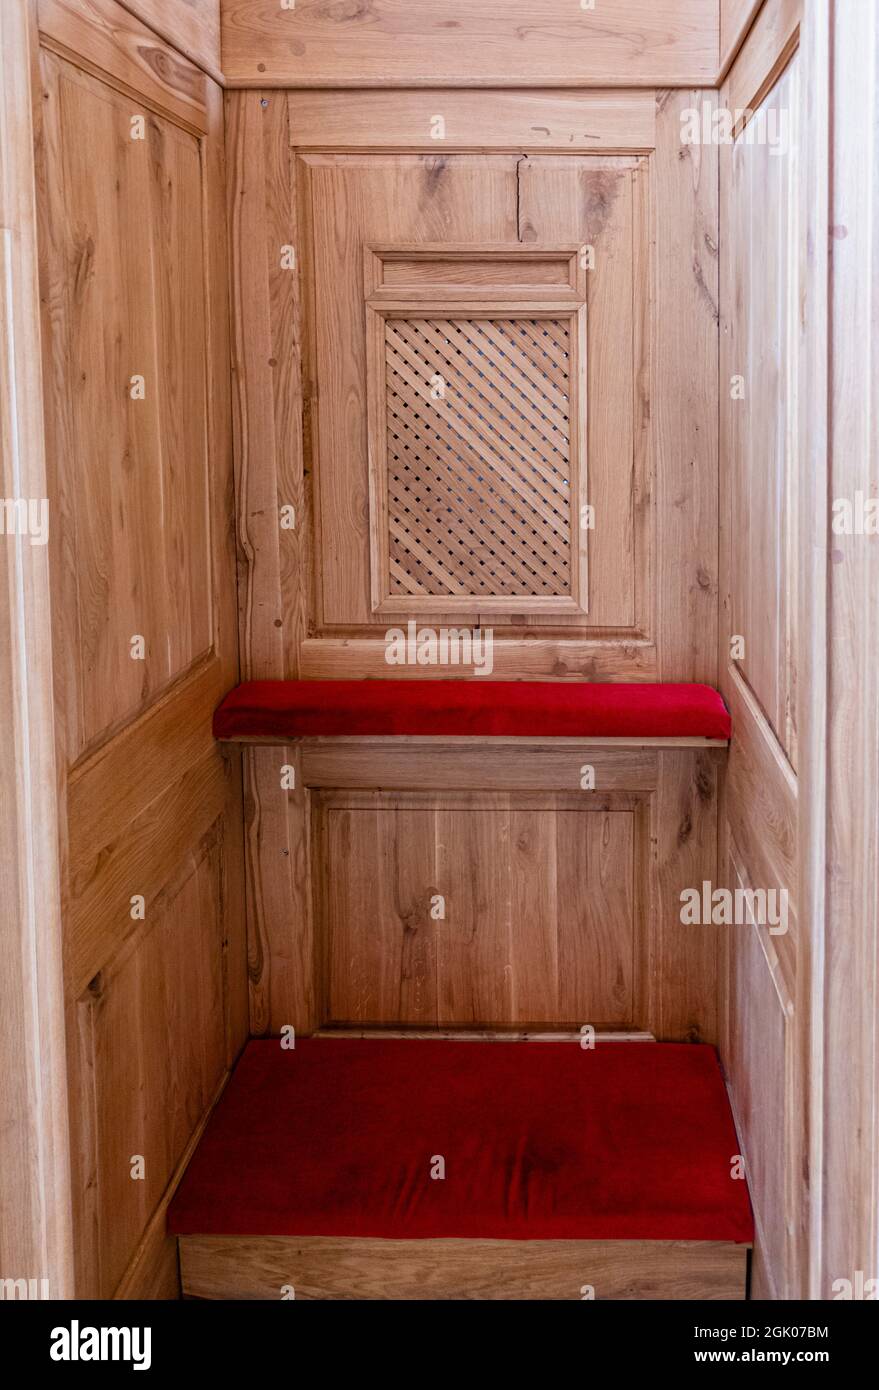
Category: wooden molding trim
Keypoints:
(619, 121)
(36, 1232)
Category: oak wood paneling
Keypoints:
(190, 26)
(105, 39)
(136, 508)
(652, 379)
(470, 43)
(683, 395)
(133, 272)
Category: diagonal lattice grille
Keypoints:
(478, 479)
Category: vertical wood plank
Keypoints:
(267, 394)
(596, 917)
(475, 969)
(684, 393)
(280, 938)
(685, 839)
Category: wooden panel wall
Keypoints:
(301, 178)
(136, 351)
(301, 378)
(562, 906)
(493, 911)
(764, 976)
(521, 43)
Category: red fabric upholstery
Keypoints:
(540, 1141)
(287, 709)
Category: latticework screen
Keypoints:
(478, 456)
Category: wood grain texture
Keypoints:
(36, 1238)
(490, 44)
(684, 958)
(190, 26)
(565, 122)
(108, 41)
(537, 925)
(327, 1267)
(137, 506)
(527, 657)
(281, 948)
(521, 766)
(684, 355)
(267, 399)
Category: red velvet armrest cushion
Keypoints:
(529, 709)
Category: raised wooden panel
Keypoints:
(470, 43)
(128, 305)
(762, 192)
(153, 1038)
(518, 203)
(537, 903)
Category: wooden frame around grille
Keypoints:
(477, 452)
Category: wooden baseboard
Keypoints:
(330, 1267)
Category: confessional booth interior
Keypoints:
(453, 685)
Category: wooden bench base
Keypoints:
(332, 1267)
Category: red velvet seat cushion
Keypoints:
(540, 1141)
(287, 709)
